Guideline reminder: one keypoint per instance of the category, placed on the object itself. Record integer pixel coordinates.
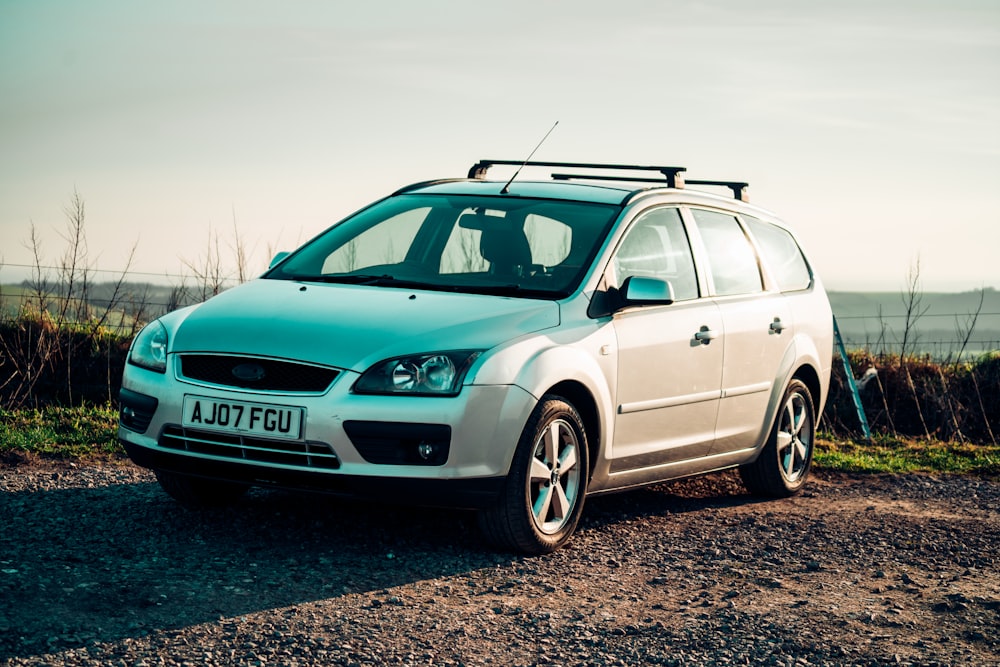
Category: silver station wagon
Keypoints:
(508, 346)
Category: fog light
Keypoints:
(426, 450)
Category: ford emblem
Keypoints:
(249, 372)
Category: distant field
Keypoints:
(134, 301)
(11, 297)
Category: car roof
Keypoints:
(595, 194)
(587, 193)
(615, 184)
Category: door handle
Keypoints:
(777, 326)
(705, 336)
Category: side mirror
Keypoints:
(278, 259)
(643, 291)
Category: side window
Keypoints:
(782, 254)
(732, 260)
(657, 246)
(387, 243)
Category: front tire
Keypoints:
(197, 492)
(542, 500)
(784, 462)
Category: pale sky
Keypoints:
(871, 126)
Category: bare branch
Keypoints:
(964, 330)
(914, 309)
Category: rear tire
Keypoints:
(783, 465)
(197, 492)
(542, 499)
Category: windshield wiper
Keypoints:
(511, 289)
(345, 278)
(386, 280)
(383, 280)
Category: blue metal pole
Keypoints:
(851, 383)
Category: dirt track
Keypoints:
(97, 566)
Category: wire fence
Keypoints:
(65, 343)
(895, 334)
(145, 295)
(120, 298)
(32, 275)
(28, 271)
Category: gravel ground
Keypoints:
(98, 566)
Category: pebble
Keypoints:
(98, 567)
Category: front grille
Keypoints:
(258, 373)
(245, 448)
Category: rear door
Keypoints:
(758, 329)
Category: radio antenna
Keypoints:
(505, 188)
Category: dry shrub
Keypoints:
(918, 397)
(43, 365)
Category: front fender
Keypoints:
(539, 363)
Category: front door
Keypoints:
(669, 378)
(669, 356)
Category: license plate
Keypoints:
(270, 421)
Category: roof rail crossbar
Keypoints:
(596, 177)
(739, 188)
(672, 174)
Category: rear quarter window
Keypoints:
(782, 255)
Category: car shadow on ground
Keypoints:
(718, 490)
(101, 564)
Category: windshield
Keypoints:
(488, 245)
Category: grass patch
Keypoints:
(90, 431)
(903, 455)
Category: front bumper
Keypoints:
(475, 493)
(348, 440)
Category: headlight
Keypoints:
(436, 374)
(149, 349)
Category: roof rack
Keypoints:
(673, 178)
(671, 175)
(739, 188)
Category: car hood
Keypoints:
(349, 326)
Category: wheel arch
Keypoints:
(813, 369)
(580, 397)
(810, 377)
(800, 363)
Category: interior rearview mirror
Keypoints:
(277, 259)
